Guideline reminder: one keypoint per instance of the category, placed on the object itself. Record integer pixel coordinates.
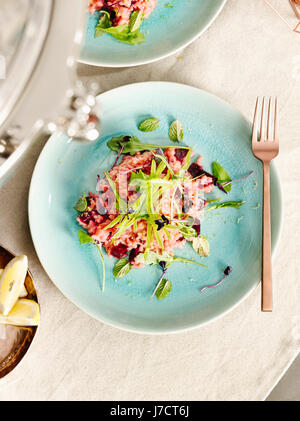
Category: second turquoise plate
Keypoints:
(66, 169)
(167, 30)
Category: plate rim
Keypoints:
(173, 51)
(162, 331)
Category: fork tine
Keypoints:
(254, 127)
(268, 137)
(262, 121)
(276, 121)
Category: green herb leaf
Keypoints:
(121, 268)
(176, 131)
(232, 204)
(104, 23)
(136, 20)
(84, 238)
(221, 175)
(149, 125)
(133, 145)
(164, 289)
(201, 246)
(81, 205)
(122, 33)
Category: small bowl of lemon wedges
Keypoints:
(19, 310)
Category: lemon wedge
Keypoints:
(12, 283)
(24, 313)
(23, 292)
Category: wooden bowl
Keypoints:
(15, 340)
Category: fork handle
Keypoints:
(266, 296)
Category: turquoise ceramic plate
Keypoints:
(167, 30)
(66, 169)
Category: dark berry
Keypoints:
(85, 218)
(195, 170)
(180, 154)
(119, 251)
(133, 253)
(227, 270)
(162, 265)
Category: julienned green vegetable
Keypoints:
(84, 238)
(136, 20)
(153, 258)
(231, 204)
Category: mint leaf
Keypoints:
(136, 20)
(149, 125)
(201, 246)
(81, 205)
(176, 131)
(164, 289)
(121, 268)
(85, 238)
(221, 175)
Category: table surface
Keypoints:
(247, 52)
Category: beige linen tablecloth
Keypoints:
(247, 52)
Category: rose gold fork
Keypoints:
(265, 146)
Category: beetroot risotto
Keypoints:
(150, 204)
(122, 19)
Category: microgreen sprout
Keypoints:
(164, 268)
(227, 272)
(239, 179)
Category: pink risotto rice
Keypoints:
(122, 9)
(102, 209)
